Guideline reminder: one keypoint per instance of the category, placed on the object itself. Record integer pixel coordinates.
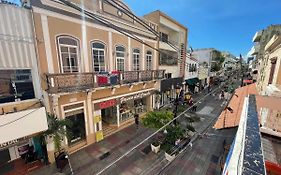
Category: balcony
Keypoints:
(68, 82)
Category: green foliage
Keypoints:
(174, 133)
(157, 119)
(219, 59)
(57, 129)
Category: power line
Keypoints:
(140, 21)
(153, 134)
(104, 21)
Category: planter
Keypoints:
(155, 149)
(170, 157)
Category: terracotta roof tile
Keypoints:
(228, 119)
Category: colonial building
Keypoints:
(90, 73)
(261, 38)
(22, 115)
(271, 84)
(172, 57)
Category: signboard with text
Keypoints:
(134, 97)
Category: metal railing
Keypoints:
(65, 82)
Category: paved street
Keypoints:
(141, 160)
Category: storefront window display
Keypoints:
(129, 108)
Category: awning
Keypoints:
(228, 119)
(22, 124)
(167, 84)
(192, 81)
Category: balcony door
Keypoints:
(68, 52)
(136, 59)
(98, 51)
(148, 60)
(120, 57)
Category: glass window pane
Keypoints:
(98, 45)
(136, 51)
(64, 49)
(120, 54)
(120, 48)
(68, 41)
(15, 85)
(72, 50)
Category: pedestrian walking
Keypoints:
(136, 116)
(222, 95)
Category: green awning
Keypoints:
(192, 81)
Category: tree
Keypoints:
(57, 129)
(157, 119)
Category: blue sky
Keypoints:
(223, 24)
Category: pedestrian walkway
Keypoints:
(95, 157)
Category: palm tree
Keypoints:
(57, 130)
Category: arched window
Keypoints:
(136, 59)
(98, 50)
(148, 60)
(68, 52)
(120, 56)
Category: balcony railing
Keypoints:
(66, 82)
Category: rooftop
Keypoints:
(229, 119)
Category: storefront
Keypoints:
(168, 90)
(75, 112)
(191, 84)
(18, 139)
(118, 110)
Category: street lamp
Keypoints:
(176, 103)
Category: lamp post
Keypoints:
(176, 103)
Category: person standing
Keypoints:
(136, 116)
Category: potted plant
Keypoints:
(174, 133)
(170, 152)
(56, 132)
(155, 146)
(156, 120)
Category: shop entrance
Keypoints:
(77, 132)
(109, 116)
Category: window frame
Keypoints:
(149, 54)
(99, 50)
(136, 60)
(118, 58)
(77, 47)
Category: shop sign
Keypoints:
(107, 104)
(12, 142)
(134, 97)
